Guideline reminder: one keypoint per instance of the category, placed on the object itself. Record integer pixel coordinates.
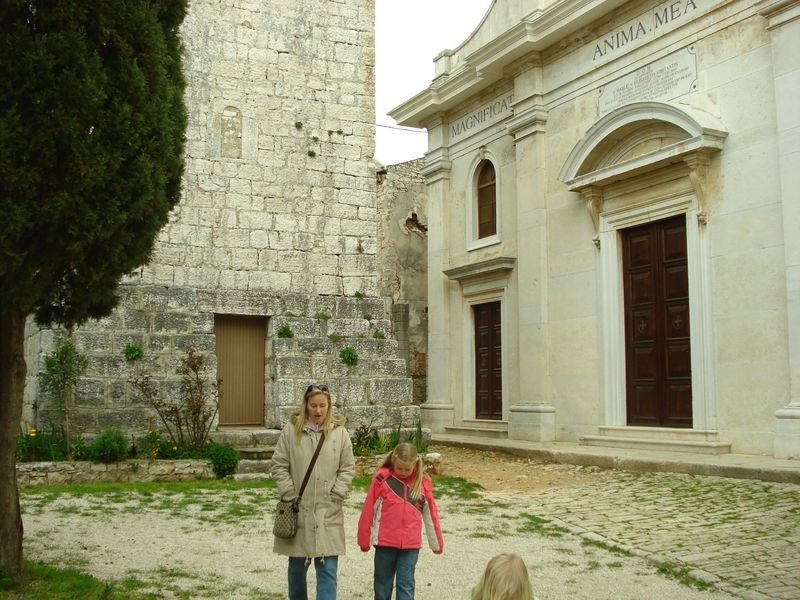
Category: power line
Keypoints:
(409, 129)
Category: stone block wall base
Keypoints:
(532, 423)
(787, 433)
(437, 416)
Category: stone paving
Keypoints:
(741, 535)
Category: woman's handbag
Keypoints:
(285, 525)
(285, 520)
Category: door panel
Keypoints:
(241, 344)
(658, 349)
(488, 361)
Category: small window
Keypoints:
(487, 205)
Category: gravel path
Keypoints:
(216, 545)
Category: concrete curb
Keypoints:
(737, 466)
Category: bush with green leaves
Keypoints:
(187, 419)
(419, 439)
(58, 380)
(38, 445)
(348, 355)
(133, 352)
(110, 446)
(224, 459)
(284, 331)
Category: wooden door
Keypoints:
(241, 343)
(657, 346)
(488, 362)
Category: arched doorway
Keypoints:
(642, 171)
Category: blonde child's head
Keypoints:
(505, 578)
(405, 461)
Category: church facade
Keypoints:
(613, 218)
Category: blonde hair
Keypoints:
(407, 453)
(505, 578)
(300, 416)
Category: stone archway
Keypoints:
(643, 163)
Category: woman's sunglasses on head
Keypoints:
(316, 388)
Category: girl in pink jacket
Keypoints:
(399, 502)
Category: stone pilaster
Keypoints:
(530, 416)
(438, 410)
(783, 23)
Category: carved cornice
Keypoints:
(779, 12)
(527, 122)
(487, 268)
(436, 171)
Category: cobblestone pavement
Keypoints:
(741, 535)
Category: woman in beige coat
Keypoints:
(320, 526)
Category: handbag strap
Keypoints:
(310, 468)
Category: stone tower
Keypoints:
(270, 257)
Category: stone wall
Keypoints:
(43, 473)
(402, 261)
(278, 219)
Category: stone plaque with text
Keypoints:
(665, 79)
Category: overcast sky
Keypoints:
(408, 35)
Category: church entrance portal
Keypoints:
(657, 340)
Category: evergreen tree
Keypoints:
(92, 128)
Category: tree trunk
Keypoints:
(12, 385)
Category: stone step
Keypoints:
(695, 447)
(250, 476)
(255, 452)
(246, 437)
(250, 466)
(660, 433)
(479, 432)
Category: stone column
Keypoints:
(783, 23)
(531, 418)
(438, 411)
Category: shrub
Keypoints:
(36, 445)
(365, 440)
(284, 331)
(58, 379)
(348, 355)
(133, 352)
(154, 446)
(188, 419)
(419, 439)
(110, 446)
(224, 459)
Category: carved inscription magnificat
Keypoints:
(664, 79)
(482, 118)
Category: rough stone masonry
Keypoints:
(277, 223)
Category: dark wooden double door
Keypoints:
(657, 342)
(488, 361)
